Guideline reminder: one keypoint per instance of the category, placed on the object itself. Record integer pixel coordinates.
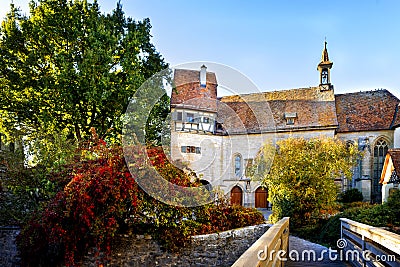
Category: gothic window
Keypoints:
(380, 150)
(249, 167)
(238, 165)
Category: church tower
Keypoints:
(324, 68)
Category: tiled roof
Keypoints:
(396, 120)
(366, 111)
(187, 86)
(395, 155)
(313, 108)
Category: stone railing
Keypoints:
(365, 245)
(269, 248)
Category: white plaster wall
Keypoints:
(216, 161)
(396, 138)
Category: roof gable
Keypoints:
(187, 86)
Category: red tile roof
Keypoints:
(395, 155)
(366, 111)
(363, 111)
(313, 109)
(187, 86)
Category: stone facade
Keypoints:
(219, 249)
(220, 155)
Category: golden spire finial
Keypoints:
(325, 56)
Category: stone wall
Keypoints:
(220, 249)
(8, 249)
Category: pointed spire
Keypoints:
(325, 56)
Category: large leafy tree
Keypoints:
(67, 67)
(301, 181)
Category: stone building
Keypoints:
(390, 174)
(218, 137)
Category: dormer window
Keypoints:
(289, 121)
(290, 117)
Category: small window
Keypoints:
(189, 117)
(289, 121)
(324, 76)
(179, 116)
(191, 149)
(290, 117)
(206, 119)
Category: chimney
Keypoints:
(203, 76)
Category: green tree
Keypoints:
(67, 67)
(301, 179)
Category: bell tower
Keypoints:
(324, 68)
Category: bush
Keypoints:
(103, 199)
(385, 215)
(301, 178)
(351, 195)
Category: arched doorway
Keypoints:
(236, 196)
(261, 198)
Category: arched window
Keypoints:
(238, 165)
(324, 76)
(380, 149)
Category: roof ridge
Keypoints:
(272, 92)
(367, 91)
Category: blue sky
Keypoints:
(277, 44)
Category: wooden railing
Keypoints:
(365, 245)
(269, 249)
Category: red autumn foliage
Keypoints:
(101, 199)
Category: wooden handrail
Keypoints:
(381, 245)
(269, 249)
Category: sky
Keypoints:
(276, 44)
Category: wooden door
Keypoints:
(236, 196)
(261, 197)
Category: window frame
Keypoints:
(238, 165)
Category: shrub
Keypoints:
(351, 195)
(384, 215)
(103, 199)
(301, 178)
